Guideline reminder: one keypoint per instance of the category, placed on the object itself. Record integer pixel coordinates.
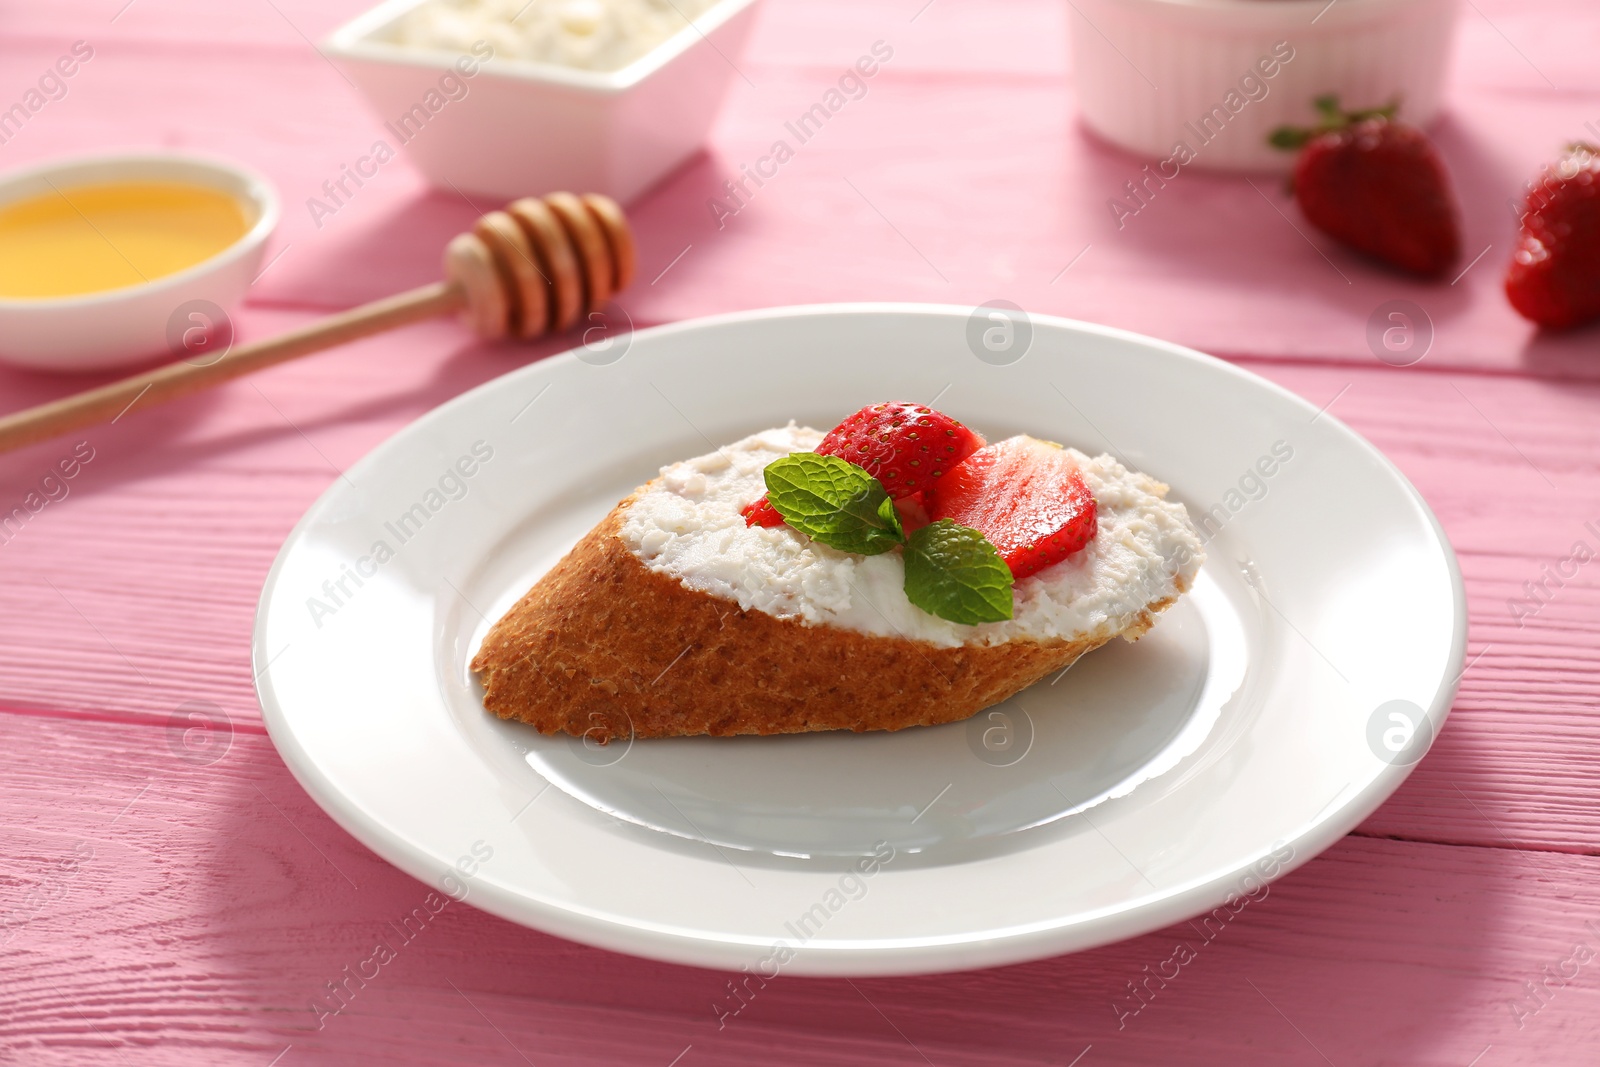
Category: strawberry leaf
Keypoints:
(952, 571)
(1331, 117)
(833, 501)
(1328, 107)
(1289, 137)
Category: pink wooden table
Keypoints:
(166, 906)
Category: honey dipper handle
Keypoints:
(109, 402)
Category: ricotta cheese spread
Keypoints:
(687, 524)
(601, 35)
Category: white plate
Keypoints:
(1261, 719)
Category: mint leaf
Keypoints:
(952, 571)
(891, 517)
(833, 501)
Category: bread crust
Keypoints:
(603, 647)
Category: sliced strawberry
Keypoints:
(1026, 496)
(913, 512)
(908, 447)
(761, 513)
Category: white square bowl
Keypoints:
(516, 128)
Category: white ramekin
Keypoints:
(115, 327)
(1147, 70)
(525, 129)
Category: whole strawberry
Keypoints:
(1555, 269)
(908, 447)
(1377, 185)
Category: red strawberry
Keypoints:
(761, 513)
(1555, 270)
(906, 446)
(1377, 185)
(1026, 496)
(913, 512)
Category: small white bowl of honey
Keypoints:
(117, 259)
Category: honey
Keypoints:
(90, 238)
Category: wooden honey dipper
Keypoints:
(540, 265)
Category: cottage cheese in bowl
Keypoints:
(687, 524)
(598, 35)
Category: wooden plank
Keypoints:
(171, 911)
(1021, 191)
(137, 592)
(185, 913)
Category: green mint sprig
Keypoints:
(952, 571)
(834, 501)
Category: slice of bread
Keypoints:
(614, 642)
